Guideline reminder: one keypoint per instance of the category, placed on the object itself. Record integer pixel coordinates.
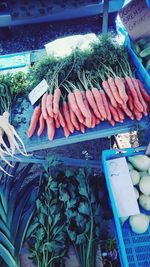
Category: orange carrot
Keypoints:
(43, 106)
(140, 97)
(80, 102)
(144, 93)
(92, 103)
(73, 105)
(130, 102)
(120, 114)
(34, 121)
(120, 83)
(49, 104)
(66, 132)
(50, 128)
(127, 112)
(107, 90)
(105, 103)
(66, 114)
(114, 90)
(56, 100)
(88, 120)
(99, 102)
(93, 122)
(42, 125)
(112, 122)
(57, 121)
(82, 128)
(97, 121)
(137, 114)
(114, 113)
(61, 119)
(133, 92)
(74, 119)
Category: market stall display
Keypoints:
(51, 208)
(132, 232)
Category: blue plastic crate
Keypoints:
(141, 72)
(134, 249)
(148, 3)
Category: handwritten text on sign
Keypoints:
(136, 18)
(38, 91)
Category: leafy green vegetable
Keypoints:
(17, 206)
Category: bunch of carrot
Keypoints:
(86, 105)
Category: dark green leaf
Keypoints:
(17, 215)
(83, 191)
(4, 253)
(6, 242)
(2, 212)
(71, 234)
(4, 228)
(71, 203)
(31, 229)
(84, 208)
(40, 234)
(80, 239)
(24, 224)
(69, 173)
(64, 197)
(53, 186)
(42, 219)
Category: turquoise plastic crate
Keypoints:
(141, 72)
(134, 249)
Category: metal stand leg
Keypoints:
(105, 16)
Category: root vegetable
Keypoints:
(50, 128)
(133, 92)
(106, 105)
(130, 167)
(115, 91)
(49, 104)
(136, 192)
(108, 92)
(13, 137)
(140, 162)
(56, 100)
(34, 121)
(80, 103)
(66, 114)
(92, 103)
(73, 105)
(43, 106)
(74, 119)
(99, 103)
(144, 184)
(121, 88)
(135, 176)
(42, 125)
(139, 223)
(144, 202)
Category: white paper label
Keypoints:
(122, 187)
(38, 91)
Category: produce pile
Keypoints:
(139, 168)
(68, 213)
(54, 212)
(87, 88)
(142, 48)
(10, 142)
